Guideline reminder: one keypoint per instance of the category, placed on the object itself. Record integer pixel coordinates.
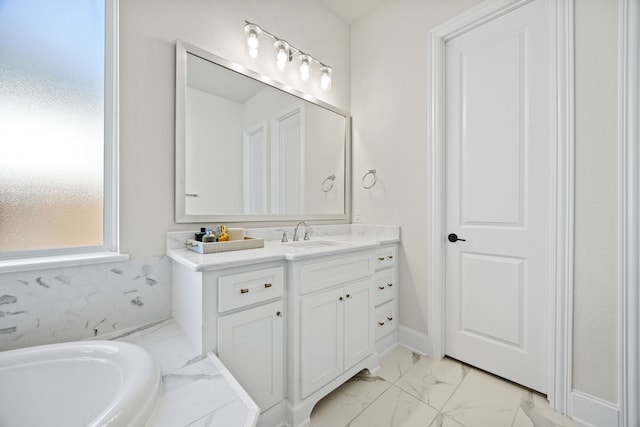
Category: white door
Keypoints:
(500, 194)
(287, 161)
(251, 345)
(255, 169)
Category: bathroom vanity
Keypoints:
(291, 321)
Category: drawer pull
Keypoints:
(380, 259)
(381, 288)
(381, 323)
(390, 257)
(244, 291)
(389, 319)
(279, 314)
(267, 285)
(389, 284)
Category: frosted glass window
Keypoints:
(52, 79)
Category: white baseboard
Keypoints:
(590, 411)
(414, 340)
(387, 343)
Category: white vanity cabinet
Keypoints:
(251, 340)
(239, 314)
(292, 322)
(251, 346)
(330, 333)
(336, 333)
(385, 287)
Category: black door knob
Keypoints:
(453, 237)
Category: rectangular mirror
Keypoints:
(249, 149)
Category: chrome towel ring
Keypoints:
(327, 184)
(371, 172)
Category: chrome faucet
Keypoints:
(306, 231)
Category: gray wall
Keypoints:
(595, 339)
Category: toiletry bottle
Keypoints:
(201, 234)
(210, 236)
(223, 236)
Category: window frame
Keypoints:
(108, 251)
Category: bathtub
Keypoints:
(83, 384)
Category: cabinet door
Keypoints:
(251, 346)
(358, 322)
(322, 338)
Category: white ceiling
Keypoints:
(351, 10)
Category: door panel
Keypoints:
(251, 345)
(287, 160)
(500, 193)
(493, 146)
(482, 314)
(255, 170)
(358, 323)
(322, 339)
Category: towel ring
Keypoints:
(375, 179)
(331, 179)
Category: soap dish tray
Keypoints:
(231, 245)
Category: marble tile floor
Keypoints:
(412, 390)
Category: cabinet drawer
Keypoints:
(324, 274)
(384, 286)
(385, 257)
(385, 319)
(239, 290)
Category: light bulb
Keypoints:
(282, 54)
(253, 42)
(305, 67)
(325, 78)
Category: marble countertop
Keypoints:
(347, 238)
(197, 389)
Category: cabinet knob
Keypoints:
(390, 257)
(279, 314)
(381, 288)
(381, 323)
(348, 295)
(267, 285)
(340, 299)
(389, 319)
(380, 259)
(244, 291)
(389, 284)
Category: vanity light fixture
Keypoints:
(284, 53)
(325, 77)
(253, 42)
(305, 67)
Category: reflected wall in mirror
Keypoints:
(251, 151)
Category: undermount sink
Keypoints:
(314, 244)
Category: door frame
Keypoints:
(629, 212)
(561, 295)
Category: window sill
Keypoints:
(29, 264)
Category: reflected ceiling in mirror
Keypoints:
(247, 149)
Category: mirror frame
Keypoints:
(182, 50)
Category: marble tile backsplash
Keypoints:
(72, 303)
